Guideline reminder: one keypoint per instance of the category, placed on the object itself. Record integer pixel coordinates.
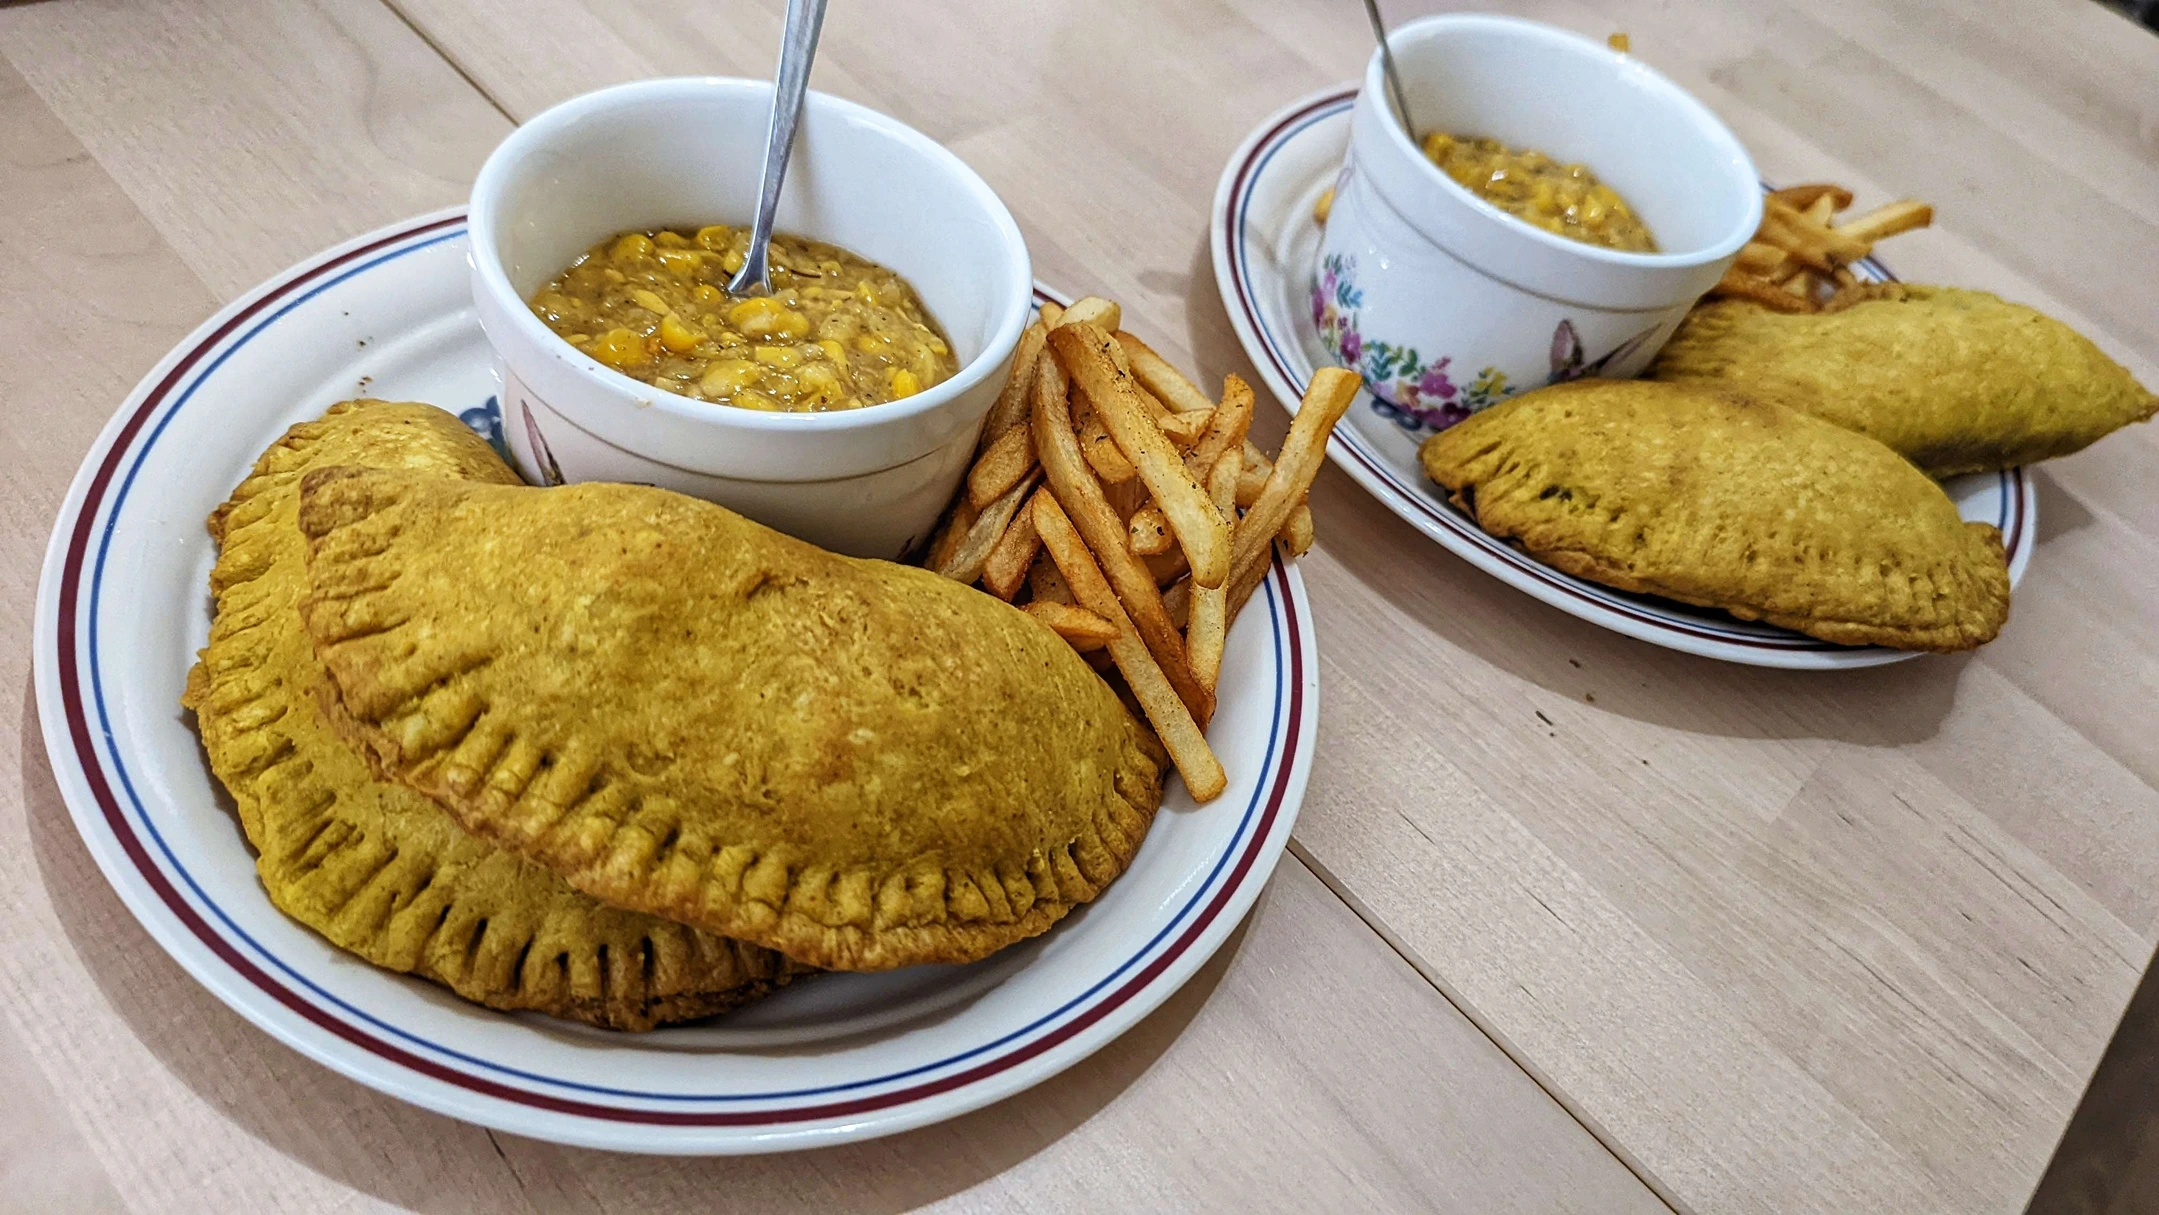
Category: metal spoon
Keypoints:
(798, 46)
(1386, 63)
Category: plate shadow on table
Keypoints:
(360, 1138)
(1891, 705)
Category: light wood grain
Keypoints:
(1787, 942)
(1307, 1060)
(1784, 942)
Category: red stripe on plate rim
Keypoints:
(79, 733)
(2013, 488)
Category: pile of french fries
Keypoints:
(1800, 259)
(1128, 511)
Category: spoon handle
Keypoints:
(798, 46)
(1386, 60)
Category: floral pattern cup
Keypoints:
(1446, 305)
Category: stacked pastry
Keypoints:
(612, 754)
(1779, 465)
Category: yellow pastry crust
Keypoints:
(1956, 381)
(1713, 499)
(374, 867)
(860, 764)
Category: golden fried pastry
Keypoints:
(1956, 381)
(375, 867)
(860, 764)
(1707, 497)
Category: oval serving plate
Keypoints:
(1265, 242)
(123, 606)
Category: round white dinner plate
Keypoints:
(1265, 244)
(124, 605)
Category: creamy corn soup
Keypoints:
(837, 332)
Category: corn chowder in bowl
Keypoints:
(895, 249)
(837, 332)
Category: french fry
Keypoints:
(1049, 313)
(1226, 429)
(1084, 629)
(1001, 466)
(1326, 399)
(950, 534)
(1091, 310)
(1149, 531)
(1185, 429)
(973, 551)
(1222, 484)
(1207, 626)
(1150, 683)
(1297, 533)
(1178, 600)
(1814, 244)
(1737, 284)
(1762, 259)
(1005, 571)
(1860, 293)
(1257, 468)
(1821, 210)
(1011, 407)
(1080, 496)
(1083, 351)
(1802, 197)
(1167, 566)
(1043, 580)
(1157, 376)
(1103, 455)
(1126, 497)
(1886, 221)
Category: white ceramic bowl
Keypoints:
(686, 152)
(1446, 304)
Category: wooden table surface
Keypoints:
(1571, 922)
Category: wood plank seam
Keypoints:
(1581, 1116)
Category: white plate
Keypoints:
(124, 606)
(1265, 243)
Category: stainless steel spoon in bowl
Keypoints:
(798, 46)
(1386, 60)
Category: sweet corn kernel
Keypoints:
(847, 334)
(729, 376)
(819, 380)
(732, 260)
(763, 316)
(621, 349)
(677, 336)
